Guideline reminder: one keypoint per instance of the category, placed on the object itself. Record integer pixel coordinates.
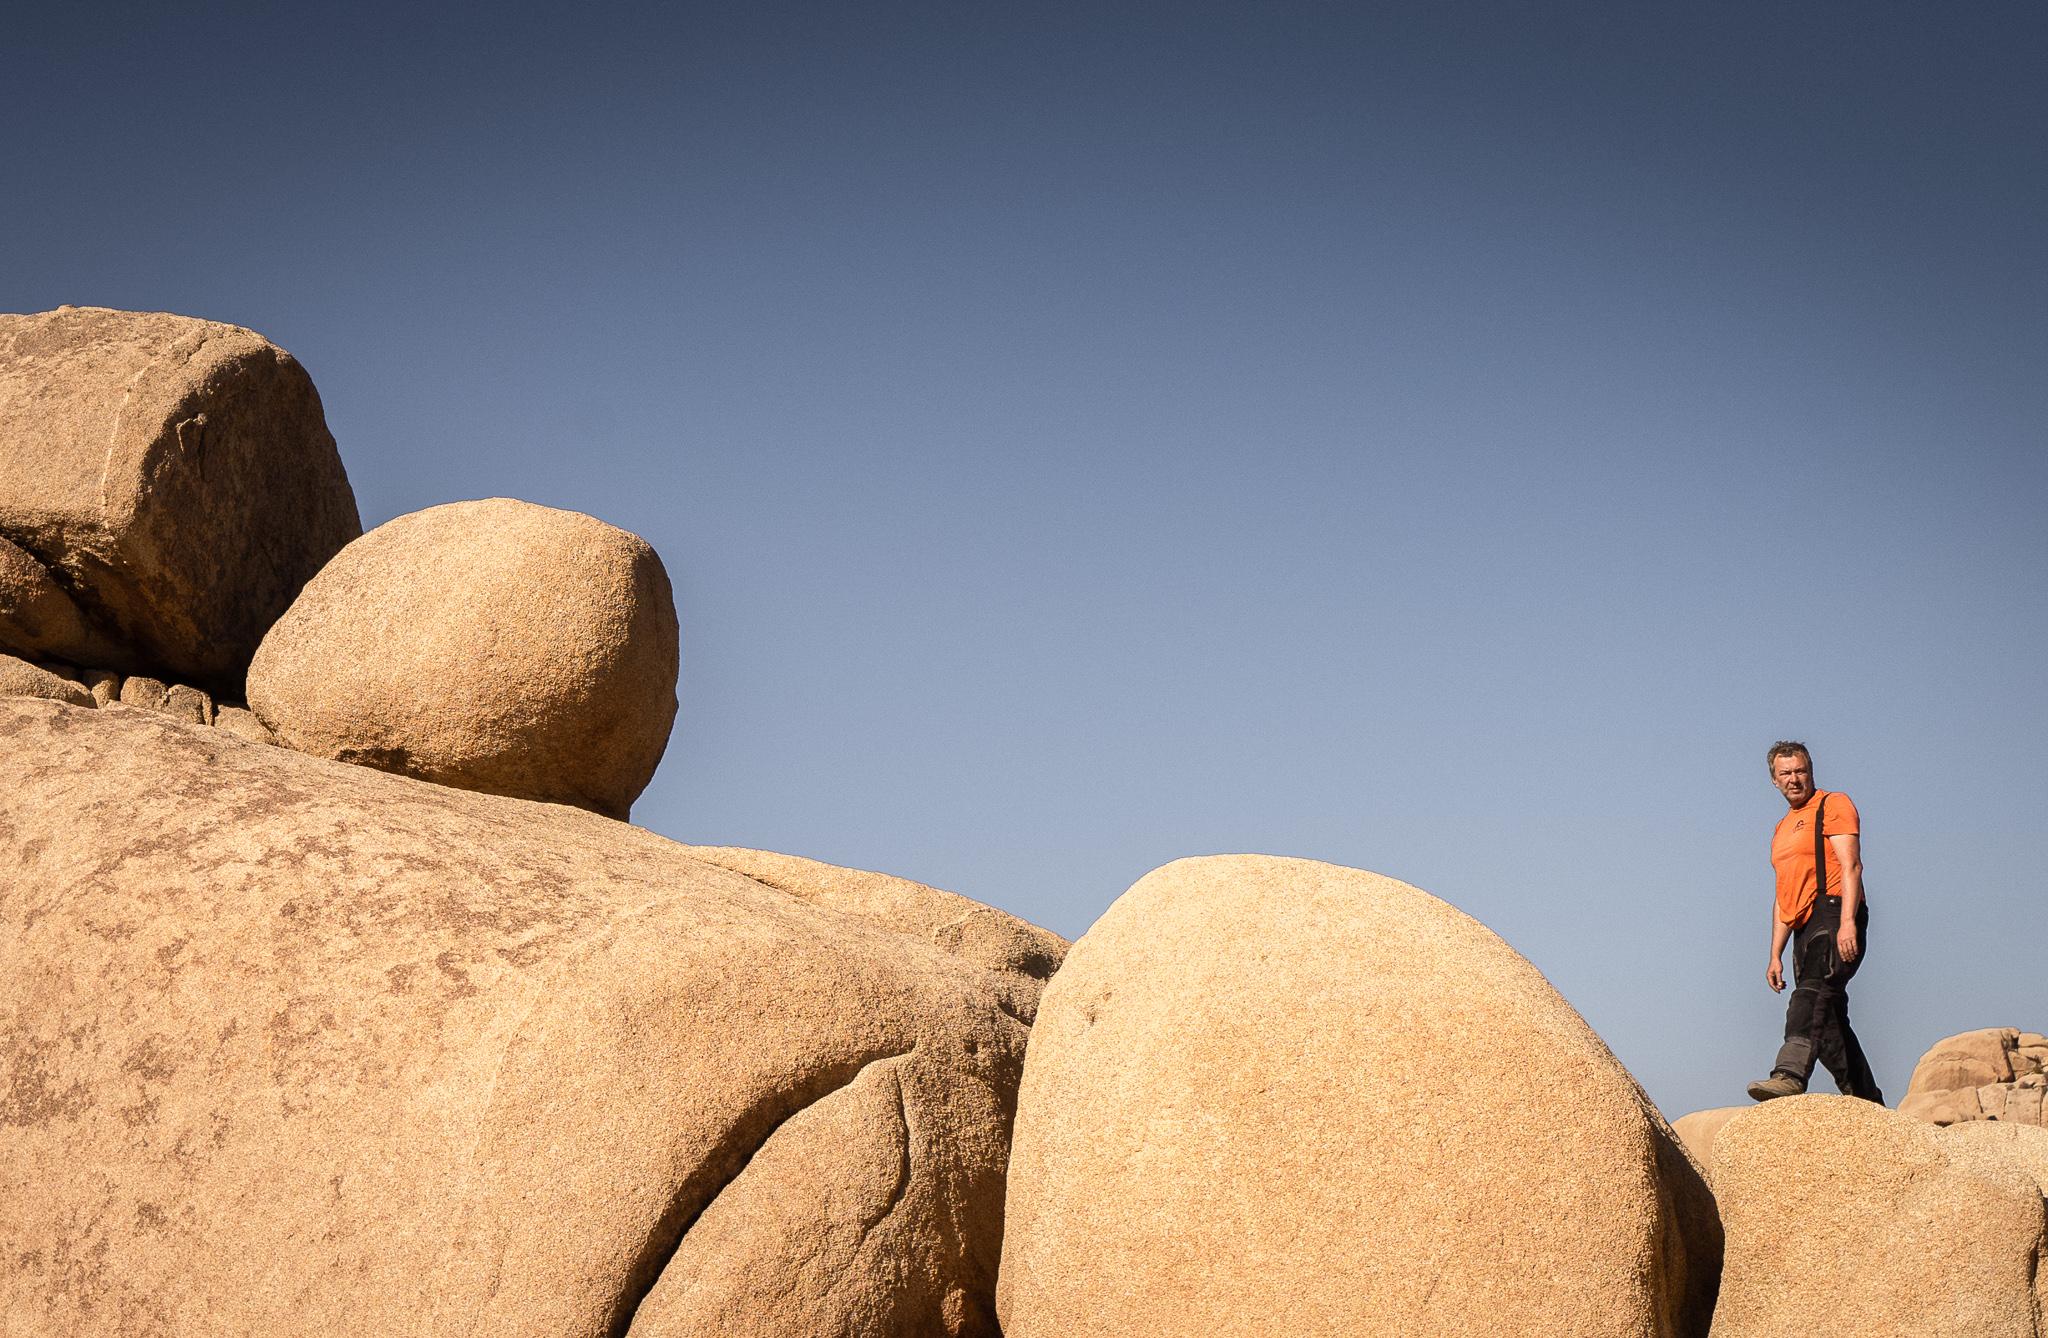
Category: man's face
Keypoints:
(1792, 773)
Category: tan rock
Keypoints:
(1699, 1129)
(1845, 1218)
(143, 692)
(2023, 1104)
(967, 929)
(19, 678)
(495, 646)
(1970, 1059)
(178, 473)
(1269, 1095)
(1945, 1107)
(37, 617)
(2023, 1145)
(188, 704)
(1994, 1073)
(242, 723)
(296, 1047)
(104, 685)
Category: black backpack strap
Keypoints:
(1820, 848)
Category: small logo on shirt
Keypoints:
(1799, 826)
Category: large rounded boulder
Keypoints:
(290, 1047)
(1271, 1094)
(176, 479)
(491, 645)
(1843, 1217)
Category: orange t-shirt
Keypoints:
(1792, 854)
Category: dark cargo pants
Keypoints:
(1817, 1015)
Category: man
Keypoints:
(1823, 911)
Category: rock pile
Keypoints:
(399, 1028)
(1996, 1073)
(172, 508)
(292, 1045)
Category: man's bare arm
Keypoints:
(1848, 850)
(1774, 974)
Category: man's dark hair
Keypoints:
(1786, 748)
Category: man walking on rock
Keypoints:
(1818, 857)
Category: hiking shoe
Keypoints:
(1778, 1084)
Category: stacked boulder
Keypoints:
(493, 645)
(294, 1045)
(1995, 1073)
(177, 534)
(399, 1026)
(167, 485)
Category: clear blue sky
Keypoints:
(1453, 442)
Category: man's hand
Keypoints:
(1774, 975)
(1846, 946)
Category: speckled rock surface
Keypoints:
(494, 645)
(969, 930)
(1270, 1095)
(2023, 1145)
(1845, 1218)
(177, 473)
(299, 1047)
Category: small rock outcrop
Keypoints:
(494, 645)
(297, 1047)
(1843, 1217)
(1994, 1073)
(1254, 1102)
(175, 481)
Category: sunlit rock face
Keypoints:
(297, 1046)
(1845, 1217)
(492, 645)
(1995, 1073)
(175, 481)
(1269, 1094)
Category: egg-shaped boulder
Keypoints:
(1276, 1096)
(493, 645)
